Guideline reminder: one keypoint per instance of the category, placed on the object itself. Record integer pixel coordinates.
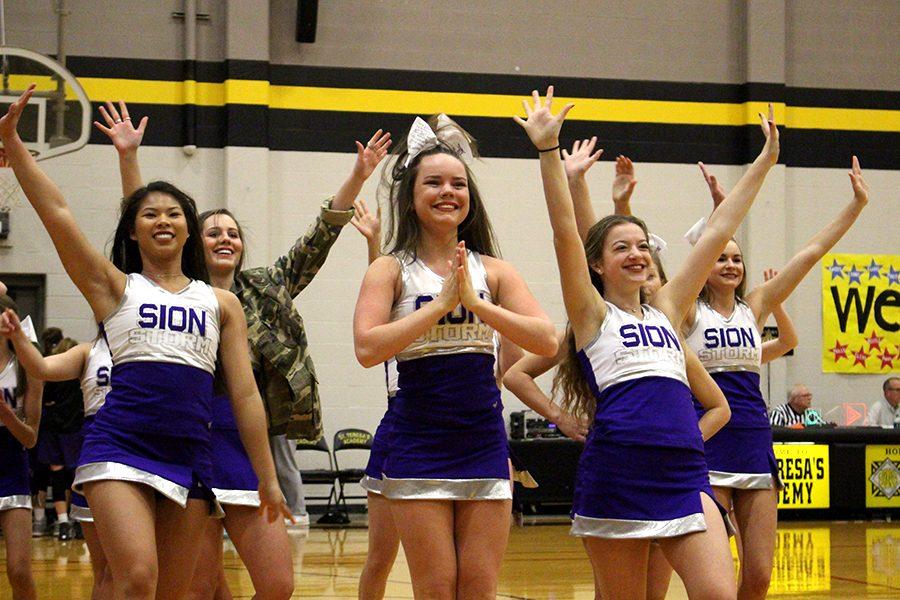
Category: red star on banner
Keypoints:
(887, 359)
(839, 351)
(860, 357)
(874, 341)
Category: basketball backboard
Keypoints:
(57, 120)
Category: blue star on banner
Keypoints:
(893, 276)
(874, 269)
(837, 269)
(854, 274)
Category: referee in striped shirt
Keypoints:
(794, 410)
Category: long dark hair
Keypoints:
(399, 182)
(224, 211)
(569, 383)
(126, 255)
(21, 379)
(740, 291)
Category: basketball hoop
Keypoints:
(10, 191)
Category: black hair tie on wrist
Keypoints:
(556, 147)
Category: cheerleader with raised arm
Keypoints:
(723, 327)
(642, 475)
(145, 464)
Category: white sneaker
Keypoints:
(299, 521)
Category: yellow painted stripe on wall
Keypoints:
(256, 92)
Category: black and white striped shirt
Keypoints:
(785, 416)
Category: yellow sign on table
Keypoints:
(802, 560)
(861, 313)
(804, 471)
(882, 476)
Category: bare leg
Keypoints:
(384, 541)
(757, 518)
(124, 516)
(620, 567)
(427, 534)
(265, 549)
(16, 523)
(703, 559)
(659, 573)
(482, 533)
(205, 582)
(177, 531)
(102, 579)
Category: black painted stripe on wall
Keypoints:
(323, 131)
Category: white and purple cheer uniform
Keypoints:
(642, 469)
(448, 441)
(95, 384)
(15, 490)
(154, 427)
(233, 479)
(371, 481)
(740, 455)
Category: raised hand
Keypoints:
(769, 274)
(582, 157)
(120, 129)
(715, 188)
(770, 130)
(860, 187)
(9, 323)
(368, 156)
(367, 224)
(624, 181)
(542, 126)
(10, 120)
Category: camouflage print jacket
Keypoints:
(278, 347)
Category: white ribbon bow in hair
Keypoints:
(422, 138)
(657, 244)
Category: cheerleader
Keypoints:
(642, 475)
(91, 364)
(723, 329)
(144, 466)
(434, 303)
(20, 415)
(282, 367)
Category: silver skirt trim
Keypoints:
(81, 513)
(370, 484)
(237, 497)
(100, 471)
(742, 481)
(20, 501)
(446, 489)
(636, 529)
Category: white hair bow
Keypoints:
(422, 138)
(657, 244)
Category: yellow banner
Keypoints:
(882, 476)
(883, 558)
(804, 470)
(802, 560)
(861, 313)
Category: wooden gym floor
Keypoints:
(819, 560)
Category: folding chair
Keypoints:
(318, 476)
(344, 440)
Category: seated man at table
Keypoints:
(796, 411)
(886, 411)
